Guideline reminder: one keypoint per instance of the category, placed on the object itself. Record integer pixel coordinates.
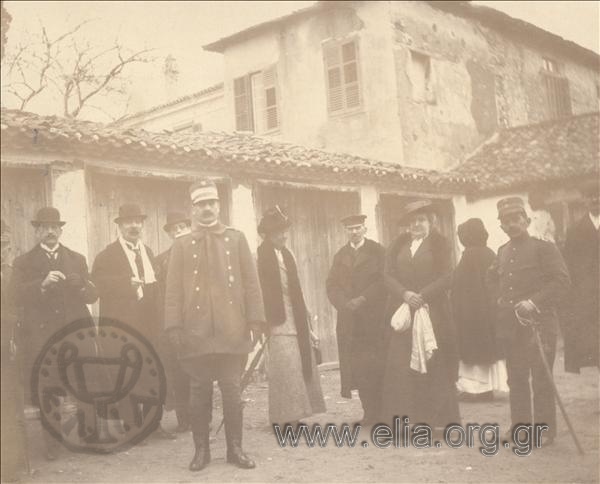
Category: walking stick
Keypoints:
(534, 325)
(248, 373)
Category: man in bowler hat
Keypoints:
(213, 300)
(52, 285)
(177, 225)
(529, 276)
(124, 273)
(356, 288)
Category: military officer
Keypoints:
(356, 288)
(213, 300)
(529, 276)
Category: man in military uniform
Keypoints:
(52, 285)
(178, 382)
(356, 288)
(213, 300)
(529, 275)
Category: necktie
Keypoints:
(139, 263)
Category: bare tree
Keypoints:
(78, 70)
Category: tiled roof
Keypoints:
(489, 16)
(229, 153)
(195, 95)
(551, 151)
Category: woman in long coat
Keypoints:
(480, 372)
(417, 272)
(294, 384)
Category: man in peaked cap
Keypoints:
(582, 253)
(212, 301)
(529, 276)
(124, 273)
(52, 285)
(177, 225)
(355, 287)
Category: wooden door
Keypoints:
(316, 235)
(24, 192)
(155, 196)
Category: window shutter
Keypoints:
(243, 104)
(333, 68)
(558, 96)
(270, 103)
(351, 85)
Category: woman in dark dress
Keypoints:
(418, 272)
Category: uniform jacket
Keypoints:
(213, 291)
(46, 313)
(527, 268)
(112, 275)
(353, 274)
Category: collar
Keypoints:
(356, 247)
(595, 219)
(201, 230)
(48, 249)
(129, 245)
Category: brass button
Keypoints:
(197, 289)
(195, 255)
(193, 241)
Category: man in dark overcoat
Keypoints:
(582, 254)
(124, 273)
(52, 285)
(356, 288)
(213, 300)
(177, 225)
(529, 276)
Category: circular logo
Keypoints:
(100, 388)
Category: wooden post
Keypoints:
(369, 199)
(243, 217)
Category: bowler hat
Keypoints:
(129, 211)
(204, 189)
(47, 215)
(273, 220)
(5, 233)
(175, 218)
(418, 206)
(510, 205)
(353, 220)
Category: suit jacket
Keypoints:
(213, 291)
(360, 332)
(45, 313)
(112, 275)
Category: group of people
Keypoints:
(408, 323)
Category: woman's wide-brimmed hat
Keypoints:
(47, 215)
(418, 206)
(273, 220)
(175, 218)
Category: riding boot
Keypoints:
(202, 452)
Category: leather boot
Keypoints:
(202, 453)
(236, 456)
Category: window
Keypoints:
(557, 90)
(256, 101)
(343, 84)
(421, 77)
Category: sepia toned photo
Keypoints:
(304, 241)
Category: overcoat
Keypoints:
(582, 321)
(112, 275)
(360, 333)
(213, 292)
(46, 313)
(429, 397)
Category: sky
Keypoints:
(179, 29)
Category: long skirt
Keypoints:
(482, 378)
(291, 396)
(428, 398)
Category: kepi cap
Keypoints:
(204, 189)
(510, 205)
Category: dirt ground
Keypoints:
(167, 461)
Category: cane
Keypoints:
(534, 325)
(246, 376)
